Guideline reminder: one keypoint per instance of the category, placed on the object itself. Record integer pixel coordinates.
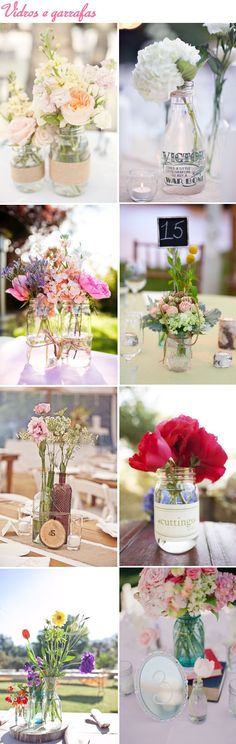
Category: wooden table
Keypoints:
(9, 458)
(78, 728)
(97, 547)
(216, 546)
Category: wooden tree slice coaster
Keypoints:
(53, 534)
(37, 736)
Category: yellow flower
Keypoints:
(193, 249)
(190, 259)
(59, 618)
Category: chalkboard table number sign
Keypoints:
(172, 232)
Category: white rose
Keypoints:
(44, 135)
(203, 668)
(217, 28)
(102, 119)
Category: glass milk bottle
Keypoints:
(183, 159)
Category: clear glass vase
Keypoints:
(178, 353)
(27, 168)
(216, 136)
(76, 336)
(21, 715)
(52, 709)
(41, 337)
(197, 706)
(37, 707)
(183, 158)
(69, 161)
(189, 639)
(176, 510)
(42, 504)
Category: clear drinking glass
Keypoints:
(75, 531)
(24, 523)
(126, 678)
(135, 277)
(131, 336)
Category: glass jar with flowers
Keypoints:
(77, 335)
(18, 698)
(71, 99)
(165, 70)
(60, 642)
(182, 454)
(179, 314)
(57, 438)
(27, 165)
(184, 594)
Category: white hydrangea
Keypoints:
(156, 73)
(217, 28)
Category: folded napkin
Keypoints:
(109, 527)
(71, 736)
(99, 718)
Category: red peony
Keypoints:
(203, 452)
(154, 452)
(176, 432)
(26, 634)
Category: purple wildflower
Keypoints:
(148, 503)
(87, 664)
(27, 667)
(40, 661)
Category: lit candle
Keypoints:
(141, 193)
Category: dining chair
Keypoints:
(110, 507)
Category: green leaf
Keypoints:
(187, 70)
(53, 119)
(215, 65)
(204, 54)
(69, 658)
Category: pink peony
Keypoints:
(193, 573)
(94, 287)
(172, 310)
(148, 636)
(185, 306)
(21, 129)
(42, 408)
(37, 429)
(154, 452)
(19, 288)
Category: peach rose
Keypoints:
(79, 109)
(20, 129)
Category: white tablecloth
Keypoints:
(136, 727)
(78, 729)
(14, 369)
(102, 186)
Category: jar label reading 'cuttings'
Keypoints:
(183, 168)
(177, 521)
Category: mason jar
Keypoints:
(189, 639)
(176, 510)
(27, 168)
(76, 336)
(178, 353)
(69, 161)
(40, 337)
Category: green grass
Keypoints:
(75, 697)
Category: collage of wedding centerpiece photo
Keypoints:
(117, 382)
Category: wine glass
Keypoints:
(135, 277)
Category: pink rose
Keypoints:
(152, 577)
(42, 408)
(154, 311)
(21, 129)
(19, 289)
(193, 573)
(94, 287)
(79, 109)
(209, 570)
(148, 636)
(38, 429)
(164, 307)
(172, 310)
(185, 306)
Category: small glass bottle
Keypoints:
(197, 706)
(69, 161)
(27, 168)
(183, 152)
(176, 510)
